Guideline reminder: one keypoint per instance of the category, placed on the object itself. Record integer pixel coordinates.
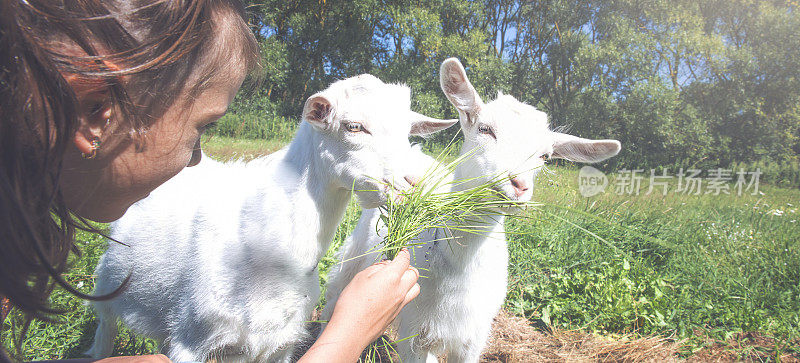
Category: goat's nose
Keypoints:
(519, 186)
(412, 180)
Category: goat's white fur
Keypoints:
(223, 257)
(465, 277)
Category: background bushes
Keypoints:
(711, 83)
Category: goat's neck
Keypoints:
(315, 189)
(466, 245)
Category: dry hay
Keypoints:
(745, 347)
(514, 339)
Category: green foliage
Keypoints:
(72, 332)
(254, 118)
(783, 173)
(722, 263)
(606, 297)
(707, 84)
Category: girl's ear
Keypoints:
(94, 112)
(94, 107)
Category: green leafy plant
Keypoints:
(607, 297)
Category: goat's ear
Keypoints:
(457, 88)
(583, 150)
(318, 111)
(422, 125)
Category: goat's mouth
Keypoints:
(396, 190)
(377, 192)
(368, 199)
(505, 192)
(507, 202)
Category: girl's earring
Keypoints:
(95, 146)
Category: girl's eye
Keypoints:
(544, 157)
(354, 127)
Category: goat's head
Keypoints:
(364, 126)
(508, 137)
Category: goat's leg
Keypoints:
(284, 355)
(355, 255)
(431, 358)
(470, 353)
(409, 356)
(187, 343)
(178, 352)
(338, 277)
(408, 350)
(104, 336)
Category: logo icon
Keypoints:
(591, 181)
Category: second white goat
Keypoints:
(465, 273)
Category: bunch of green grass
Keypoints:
(436, 202)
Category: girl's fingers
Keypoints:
(409, 278)
(411, 295)
(377, 266)
(401, 261)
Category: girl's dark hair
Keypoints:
(147, 54)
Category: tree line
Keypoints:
(682, 83)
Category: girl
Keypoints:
(101, 102)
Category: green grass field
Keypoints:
(675, 265)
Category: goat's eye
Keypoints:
(484, 129)
(544, 157)
(354, 127)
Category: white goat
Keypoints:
(223, 258)
(466, 275)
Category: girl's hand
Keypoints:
(365, 308)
